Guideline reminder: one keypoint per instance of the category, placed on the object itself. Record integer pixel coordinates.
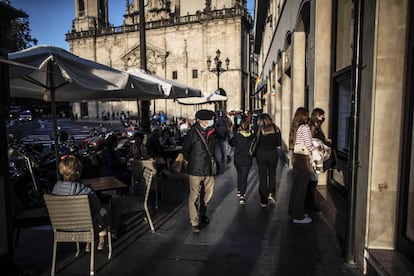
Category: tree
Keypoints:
(20, 34)
(16, 30)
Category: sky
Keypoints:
(50, 20)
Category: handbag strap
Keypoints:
(258, 134)
(204, 142)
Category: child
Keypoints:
(71, 168)
(242, 159)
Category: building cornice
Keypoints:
(198, 18)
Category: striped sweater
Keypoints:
(304, 137)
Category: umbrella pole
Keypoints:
(54, 120)
(55, 136)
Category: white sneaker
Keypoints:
(242, 200)
(271, 200)
(305, 220)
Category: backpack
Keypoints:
(221, 126)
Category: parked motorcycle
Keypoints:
(27, 175)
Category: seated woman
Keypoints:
(138, 151)
(166, 141)
(71, 168)
(153, 143)
(111, 163)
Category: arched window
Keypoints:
(81, 8)
(101, 11)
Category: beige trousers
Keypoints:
(196, 183)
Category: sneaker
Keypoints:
(205, 219)
(242, 200)
(305, 220)
(101, 245)
(271, 200)
(263, 205)
(238, 194)
(195, 229)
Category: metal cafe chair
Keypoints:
(137, 170)
(71, 220)
(148, 174)
(128, 204)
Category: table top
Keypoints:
(104, 183)
(176, 148)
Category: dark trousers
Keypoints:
(242, 175)
(301, 176)
(310, 203)
(267, 163)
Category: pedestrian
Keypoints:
(267, 158)
(198, 149)
(184, 126)
(163, 118)
(223, 127)
(70, 168)
(300, 137)
(316, 120)
(242, 159)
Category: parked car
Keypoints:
(14, 112)
(25, 115)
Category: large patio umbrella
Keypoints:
(171, 89)
(62, 76)
(204, 99)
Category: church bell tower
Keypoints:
(90, 15)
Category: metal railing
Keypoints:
(163, 23)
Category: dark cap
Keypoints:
(205, 114)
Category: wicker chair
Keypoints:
(71, 220)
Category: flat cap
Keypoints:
(205, 114)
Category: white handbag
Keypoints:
(301, 149)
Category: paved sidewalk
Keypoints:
(240, 240)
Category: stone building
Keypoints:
(181, 35)
(354, 59)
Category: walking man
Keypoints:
(200, 136)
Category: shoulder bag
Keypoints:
(301, 149)
(254, 143)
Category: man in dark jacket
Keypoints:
(198, 157)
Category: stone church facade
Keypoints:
(181, 35)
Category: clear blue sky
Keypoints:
(50, 20)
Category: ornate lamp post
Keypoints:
(218, 69)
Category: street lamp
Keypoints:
(218, 69)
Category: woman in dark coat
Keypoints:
(242, 159)
(267, 158)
